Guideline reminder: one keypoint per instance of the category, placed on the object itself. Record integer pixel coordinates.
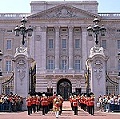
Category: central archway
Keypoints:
(64, 88)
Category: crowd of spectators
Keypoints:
(109, 103)
(11, 102)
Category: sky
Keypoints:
(23, 6)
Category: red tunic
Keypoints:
(28, 102)
(44, 101)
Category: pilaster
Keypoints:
(43, 41)
(71, 47)
(57, 47)
(84, 46)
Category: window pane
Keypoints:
(118, 44)
(77, 64)
(8, 44)
(8, 65)
(50, 43)
(50, 64)
(77, 43)
(104, 44)
(119, 65)
(64, 62)
(63, 43)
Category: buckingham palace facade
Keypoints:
(60, 45)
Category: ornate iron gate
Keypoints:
(64, 88)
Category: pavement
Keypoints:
(67, 113)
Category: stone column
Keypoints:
(71, 47)
(57, 47)
(84, 46)
(43, 55)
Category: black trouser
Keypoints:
(72, 106)
(34, 107)
(38, 107)
(29, 110)
(44, 110)
(91, 110)
(75, 108)
(60, 110)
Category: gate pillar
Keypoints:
(97, 65)
(22, 65)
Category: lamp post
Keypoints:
(96, 30)
(87, 78)
(22, 30)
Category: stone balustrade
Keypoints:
(13, 15)
(110, 15)
(20, 15)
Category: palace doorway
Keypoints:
(64, 88)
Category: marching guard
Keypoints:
(75, 104)
(44, 104)
(56, 106)
(61, 102)
(29, 104)
(34, 103)
(90, 105)
(38, 102)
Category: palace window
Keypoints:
(119, 65)
(8, 66)
(64, 64)
(77, 43)
(64, 43)
(50, 44)
(118, 44)
(50, 64)
(77, 65)
(9, 44)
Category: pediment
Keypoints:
(63, 11)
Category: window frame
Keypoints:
(8, 67)
(64, 43)
(50, 43)
(9, 44)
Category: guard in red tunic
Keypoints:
(29, 104)
(70, 99)
(44, 104)
(38, 102)
(34, 103)
(75, 105)
(90, 105)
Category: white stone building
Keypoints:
(60, 45)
